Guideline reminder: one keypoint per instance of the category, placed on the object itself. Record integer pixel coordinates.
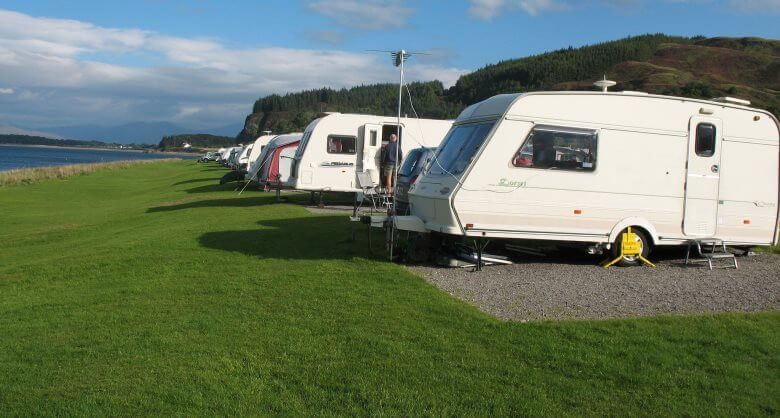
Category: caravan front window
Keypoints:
(341, 144)
(458, 148)
(558, 147)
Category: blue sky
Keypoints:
(202, 63)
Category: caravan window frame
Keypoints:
(584, 167)
(699, 147)
(352, 137)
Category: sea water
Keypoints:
(12, 156)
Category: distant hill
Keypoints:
(39, 140)
(176, 142)
(747, 68)
(136, 132)
(13, 130)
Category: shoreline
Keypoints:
(188, 154)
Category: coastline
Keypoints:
(183, 154)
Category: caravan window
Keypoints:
(458, 148)
(552, 147)
(705, 140)
(341, 144)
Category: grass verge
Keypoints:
(30, 175)
(153, 290)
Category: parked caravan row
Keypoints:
(581, 167)
(569, 168)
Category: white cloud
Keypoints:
(6, 91)
(756, 6)
(488, 9)
(364, 14)
(201, 81)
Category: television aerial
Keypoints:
(604, 84)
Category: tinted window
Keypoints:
(558, 148)
(458, 148)
(341, 144)
(705, 140)
(411, 162)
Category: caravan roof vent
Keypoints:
(732, 100)
(604, 84)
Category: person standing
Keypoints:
(390, 162)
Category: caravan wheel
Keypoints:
(632, 260)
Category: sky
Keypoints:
(203, 63)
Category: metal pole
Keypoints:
(402, 53)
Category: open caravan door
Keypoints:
(368, 146)
(702, 181)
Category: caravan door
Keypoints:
(369, 144)
(702, 180)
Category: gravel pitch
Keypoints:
(576, 288)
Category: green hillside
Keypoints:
(747, 68)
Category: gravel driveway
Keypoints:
(575, 288)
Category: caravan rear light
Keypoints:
(577, 212)
(469, 226)
(746, 222)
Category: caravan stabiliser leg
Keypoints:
(480, 245)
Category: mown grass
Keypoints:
(153, 290)
(30, 175)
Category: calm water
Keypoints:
(22, 157)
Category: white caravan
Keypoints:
(220, 153)
(225, 155)
(243, 159)
(257, 149)
(337, 146)
(232, 160)
(277, 161)
(583, 166)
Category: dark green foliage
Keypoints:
(197, 141)
(695, 67)
(293, 111)
(39, 140)
(542, 72)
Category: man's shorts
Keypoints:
(388, 170)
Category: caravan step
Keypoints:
(716, 251)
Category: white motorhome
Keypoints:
(337, 146)
(277, 161)
(583, 166)
(257, 149)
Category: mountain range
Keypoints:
(127, 133)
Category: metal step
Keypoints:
(716, 251)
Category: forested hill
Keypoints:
(39, 140)
(747, 68)
(292, 112)
(198, 141)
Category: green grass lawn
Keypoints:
(152, 290)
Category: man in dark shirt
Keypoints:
(390, 163)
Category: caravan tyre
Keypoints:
(628, 261)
